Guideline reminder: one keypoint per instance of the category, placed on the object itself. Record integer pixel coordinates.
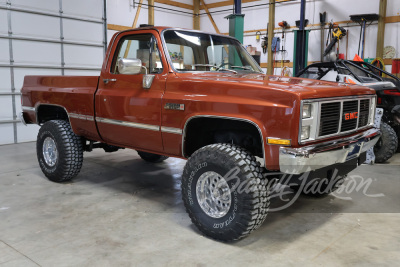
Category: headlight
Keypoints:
(305, 132)
(306, 111)
(308, 121)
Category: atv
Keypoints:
(387, 87)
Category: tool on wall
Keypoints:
(258, 36)
(347, 42)
(332, 26)
(322, 20)
(264, 43)
(300, 53)
(284, 25)
(337, 34)
(362, 20)
(276, 42)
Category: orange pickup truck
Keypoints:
(169, 92)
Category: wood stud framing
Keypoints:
(196, 14)
(151, 12)
(381, 28)
(210, 16)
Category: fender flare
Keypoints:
(221, 117)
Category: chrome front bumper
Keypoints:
(314, 157)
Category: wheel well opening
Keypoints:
(205, 131)
(48, 112)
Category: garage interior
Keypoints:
(123, 211)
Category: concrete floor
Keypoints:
(122, 211)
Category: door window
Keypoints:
(139, 46)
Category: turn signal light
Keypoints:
(275, 141)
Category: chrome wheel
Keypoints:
(213, 194)
(50, 153)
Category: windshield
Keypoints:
(194, 51)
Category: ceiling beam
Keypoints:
(230, 3)
(174, 3)
(210, 17)
(114, 27)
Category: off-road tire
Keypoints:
(150, 157)
(387, 144)
(249, 207)
(321, 188)
(69, 147)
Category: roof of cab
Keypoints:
(161, 28)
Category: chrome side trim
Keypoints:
(129, 124)
(25, 108)
(221, 117)
(81, 116)
(172, 130)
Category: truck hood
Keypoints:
(303, 88)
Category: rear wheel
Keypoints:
(386, 145)
(59, 151)
(225, 192)
(150, 157)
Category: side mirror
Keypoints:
(129, 66)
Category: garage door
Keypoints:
(45, 37)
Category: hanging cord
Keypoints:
(285, 71)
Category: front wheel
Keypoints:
(59, 151)
(225, 192)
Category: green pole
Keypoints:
(236, 29)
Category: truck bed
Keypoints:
(73, 93)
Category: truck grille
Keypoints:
(349, 107)
(343, 116)
(364, 113)
(330, 117)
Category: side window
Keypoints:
(140, 46)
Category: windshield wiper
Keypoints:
(246, 68)
(234, 71)
(213, 66)
(203, 65)
(242, 67)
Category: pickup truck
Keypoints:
(169, 92)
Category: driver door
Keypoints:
(128, 114)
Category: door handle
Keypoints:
(109, 80)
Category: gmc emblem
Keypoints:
(351, 116)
